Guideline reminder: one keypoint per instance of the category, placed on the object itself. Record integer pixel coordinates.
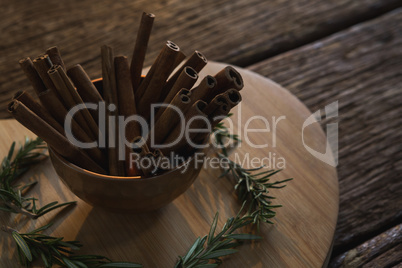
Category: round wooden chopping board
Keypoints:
(303, 229)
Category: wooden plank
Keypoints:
(237, 32)
(384, 250)
(304, 226)
(362, 69)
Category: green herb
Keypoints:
(11, 196)
(207, 251)
(35, 245)
(252, 185)
(56, 251)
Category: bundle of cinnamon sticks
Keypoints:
(98, 126)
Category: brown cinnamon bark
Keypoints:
(197, 61)
(227, 78)
(206, 86)
(195, 118)
(52, 103)
(33, 76)
(126, 100)
(139, 147)
(230, 98)
(71, 99)
(140, 48)
(53, 138)
(186, 79)
(180, 57)
(54, 106)
(82, 125)
(153, 83)
(25, 98)
(169, 119)
(233, 97)
(218, 109)
(49, 98)
(116, 167)
(147, 170)
(42, 65)
(55, 57)
(217, 102)
(85, 88)
(218, 114)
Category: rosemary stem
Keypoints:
(8, 229)
(21, 210)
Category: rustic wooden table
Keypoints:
(322, 51)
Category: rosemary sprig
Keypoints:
(35, 245)
(55, 251)
(251, 187)
(251, 184)
(207, 251)
(13, 166)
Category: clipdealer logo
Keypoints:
(243, 129)
(330, 156)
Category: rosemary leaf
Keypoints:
(250, 185)
(54, 250)
(212, 247)
(15, 164)
(22, 245)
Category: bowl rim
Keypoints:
(113, 178)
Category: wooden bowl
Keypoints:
(126, 194)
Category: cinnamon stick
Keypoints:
(116, 167)
(221, 105)
(55, 57)
(227, 78)
(139, 146)
(52, 103)
(186, 79)
(53, 138)
(125, 93)
(147, 170)
(42, 64)
(197, 61)
(218, 109)
(33, 76)
(59, 112)
(170, 117)
(78, 100)
(157, 156)
(180, 57)
(218, 113)
(85, 88)
(126, 102)
(154, 81)
(195, 118)
(232, 97)
(206, 86)
(82, 125)
(25, 98)
(71, 99)
(217, 102)
(140, 48)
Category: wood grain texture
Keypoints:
(362, 69)
(384, 250)
(304, 226)
(238, 32)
